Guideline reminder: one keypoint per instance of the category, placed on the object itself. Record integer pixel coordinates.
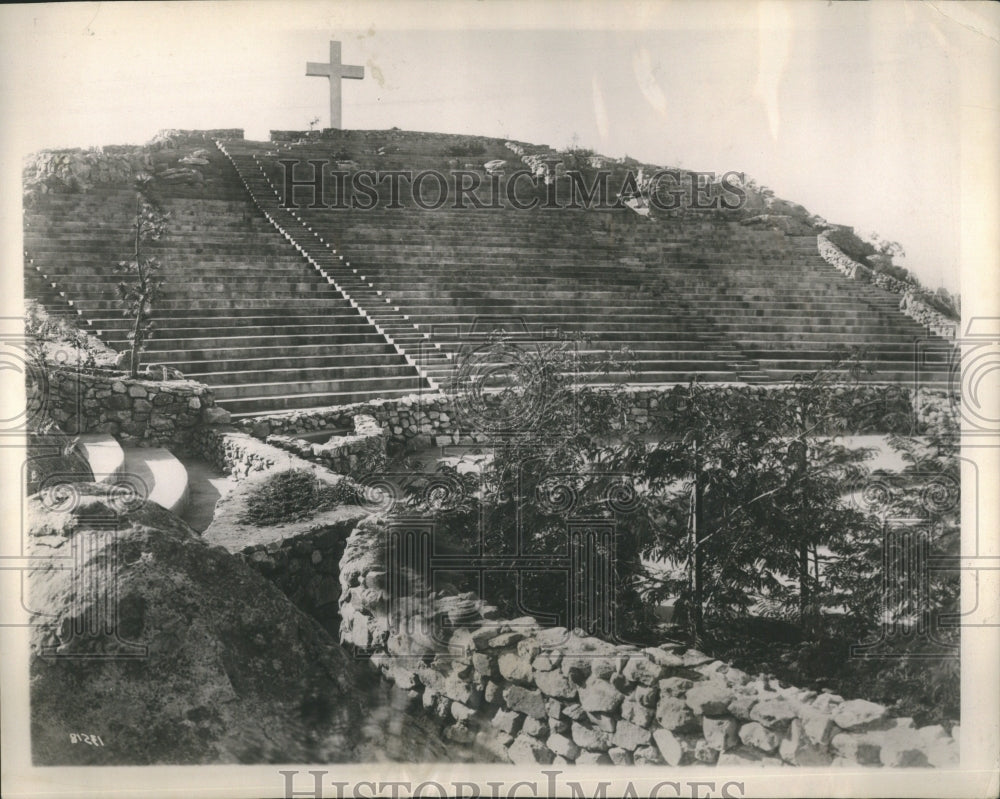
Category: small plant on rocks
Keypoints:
(295, 494)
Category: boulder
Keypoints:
(773, 713)
(720, 734)
(515, 668)
(630, 736)
(590, 739)
(561, 745)
(643, 671)
(194, 672)
(556, 684)
(758, 736)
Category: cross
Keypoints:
(335, 71)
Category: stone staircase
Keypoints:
(278, 308)
(684, 296)
(241, 309)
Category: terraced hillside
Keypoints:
(278, 308)
(241, 309)
(686, 294)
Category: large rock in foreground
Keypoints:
(233, 672)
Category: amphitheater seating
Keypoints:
(279, 308)
(241, 309)
(686, 296)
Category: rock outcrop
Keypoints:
(183, 654)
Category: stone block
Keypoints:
(555, 684)
(484, 664)
(817, 725)
(492, 693)
(742, 704)
(646, 696)
(603, 721)
(507, 721)
(528, 751)
(630, 736)
(563, 746)
(647, 756)
(643, 671)
(760, 737)
(796, 748)
(709, 698)
(903, 748)
(515, 668)
(774, 714)
(505, 640)
(675, 715)
(857, 714)
(590, 739)
(600, 696)
(637, 714)
(674, 749)
(675, 686)
(526, 701)
(535, 727)
(720, 733)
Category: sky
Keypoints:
(862, 112)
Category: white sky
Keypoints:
(855, 110)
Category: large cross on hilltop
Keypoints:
(335, 71)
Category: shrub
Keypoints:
(295, 494)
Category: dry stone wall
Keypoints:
(435, 419)
(135, 411)
(533, 694)
(358, 454)
(300, 557)
(910, 302)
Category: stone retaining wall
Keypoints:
(300, 557)
(543, 695)
(435, 419)
(136, 412)
(910, 302)
(239, 454)
(358, 454)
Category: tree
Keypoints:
(559, 452)
(747, 489)
(140, 287)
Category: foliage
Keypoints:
(559, 453)
(43, 334)
(295, 494)
(745, 491)
(140, 286)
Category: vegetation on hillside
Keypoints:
(773, 562)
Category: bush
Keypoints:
(295, 494)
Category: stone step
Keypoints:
(273, 387)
